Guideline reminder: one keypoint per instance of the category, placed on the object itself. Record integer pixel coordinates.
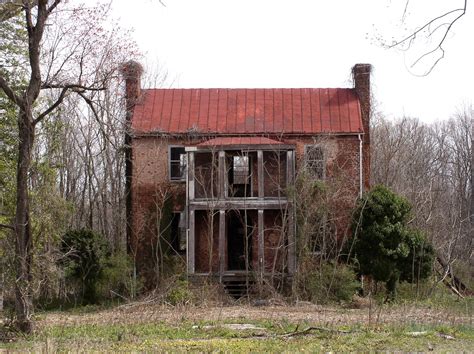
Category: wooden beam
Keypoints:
(191, 249)
(261, 243)
(222, 233)
(243, 203)
(260, 175)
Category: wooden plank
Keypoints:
(261, 243)
(260, 175)
(222, 233)
(191, 249)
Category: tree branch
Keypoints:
(10, 227)
(9, 92)
(52, 107)
(71, 87)
(411, 38)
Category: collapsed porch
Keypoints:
(240, 219)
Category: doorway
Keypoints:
(239, 240)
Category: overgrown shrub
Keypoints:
(383, 244)
(118, 278)
(179, 293)
(328, 283)
(85, 254)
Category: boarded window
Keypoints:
(314, 160)
(177, 163)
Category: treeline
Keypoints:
(431, 164)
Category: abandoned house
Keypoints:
(211, 172)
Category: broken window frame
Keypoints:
(182, 163)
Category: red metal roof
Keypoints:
(240, 140)
(248, 111)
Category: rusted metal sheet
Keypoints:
(248, 111)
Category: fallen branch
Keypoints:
(310, 329)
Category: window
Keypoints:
(177, 165)
(241, 169)
(239, 176)
(314, 159)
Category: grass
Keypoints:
(186, 336)
(399, 327)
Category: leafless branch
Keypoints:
(7, 226)
(409, 40)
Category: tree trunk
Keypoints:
(23, 246)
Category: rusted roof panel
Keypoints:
(240, 140)
(248, 111)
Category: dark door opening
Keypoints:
(239, 240)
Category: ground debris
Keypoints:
(445, 336)
(417, 334)
(233, 326)
(311, 329)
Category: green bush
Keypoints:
(118, 278)
(179, 293)
(331, 283)
(85, 253)
(385, 248)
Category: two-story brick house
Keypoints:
(222, 164)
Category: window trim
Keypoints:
(306, 160)
(170, 177)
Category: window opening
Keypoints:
(239, 176)
(178, 232)
(178, 163)
(315, 161)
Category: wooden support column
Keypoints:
(222, 176)
(290, 175)
(222, 255)
(191, 246)
(260, 174)
(261, 243)
(191, 179)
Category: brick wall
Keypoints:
(151, 185)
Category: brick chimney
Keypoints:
(132, 72)
(361, 78)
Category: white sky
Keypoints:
(304, 43)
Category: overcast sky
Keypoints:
(306, 43)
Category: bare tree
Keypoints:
(63, 58)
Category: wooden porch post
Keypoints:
(191, 247)
(221, 176)
(260, 175)
(261, 240)
(191, 179)
(222, 255)
(290, 173)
